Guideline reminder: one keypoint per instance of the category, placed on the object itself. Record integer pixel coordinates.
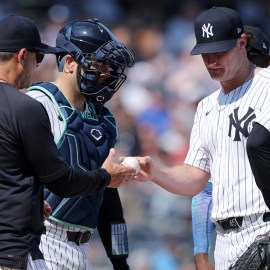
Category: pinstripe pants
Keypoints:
(60, 254)
(232, 244)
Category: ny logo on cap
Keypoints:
(207, 30)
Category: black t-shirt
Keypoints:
(28, 159)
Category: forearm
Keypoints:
(79, 183)
(202, 228)
(183, 180)
(110, 218)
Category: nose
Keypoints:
(210, 59)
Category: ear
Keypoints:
(21, 56)
(70, 64)
(242, 41)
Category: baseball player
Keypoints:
(91, 65)
(202, 228)
(218, 140)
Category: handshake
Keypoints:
(121, 173)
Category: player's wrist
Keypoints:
(105, 176)
(119, 263)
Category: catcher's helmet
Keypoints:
(89, 41)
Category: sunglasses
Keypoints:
(39, 54)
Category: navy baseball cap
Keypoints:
(216, 30)
(17, 32)
(258, 40)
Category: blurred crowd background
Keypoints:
(154, 108)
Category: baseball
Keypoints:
(131, 162)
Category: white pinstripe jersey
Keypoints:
(264, 119)
(218, 146)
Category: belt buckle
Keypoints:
(80, 237)
(234, 223)
(231, 223)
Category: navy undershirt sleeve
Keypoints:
(45, 159)
(258, 150)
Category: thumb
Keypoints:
(111, 155)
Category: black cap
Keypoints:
(17, 32)
(257, 40)
(217, 30)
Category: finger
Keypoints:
(111, 155)
(121, 158)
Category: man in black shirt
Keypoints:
(29, 158)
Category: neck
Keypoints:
(239, 79)
(75, 97)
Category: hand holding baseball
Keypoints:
(119, 173)
(131, 162)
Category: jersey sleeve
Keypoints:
(57, 126)
(197, 156)
(202, 228)
(263, 119)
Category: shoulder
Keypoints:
(29, 106)
(38, 95)
(208, 102)
(41, 91)
(20, 101)
(25, 109)
(263, 73)
(14, 102)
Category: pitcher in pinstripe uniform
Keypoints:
(203, 230)
(221, 127)
(91, 69)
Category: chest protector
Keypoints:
(84, 143)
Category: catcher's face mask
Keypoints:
(95, 48)
(103, 71)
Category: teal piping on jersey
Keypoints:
(63, 202)
(92, 230)
(77, 153)
(44, 90)
(57, 140)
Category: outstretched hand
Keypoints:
(147, 169)
(119, 173)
